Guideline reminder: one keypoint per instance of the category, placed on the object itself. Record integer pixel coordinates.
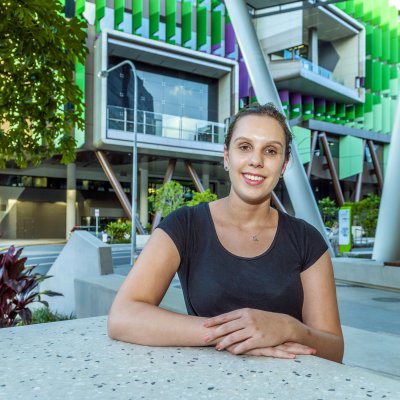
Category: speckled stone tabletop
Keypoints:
(77, 360)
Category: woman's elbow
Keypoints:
(114, 324)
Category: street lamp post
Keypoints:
(104, 74)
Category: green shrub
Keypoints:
(329, 211)
(201, 197)
(169, 197)
(44, 315)
(119, 231)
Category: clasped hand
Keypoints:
(255, 332)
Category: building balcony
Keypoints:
(160, 133)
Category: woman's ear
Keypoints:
(226, 158)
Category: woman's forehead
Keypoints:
(252, 123)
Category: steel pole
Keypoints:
(295, 178)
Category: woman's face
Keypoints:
(256, 157)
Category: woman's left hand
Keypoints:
(247, 329)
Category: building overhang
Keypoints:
(292, 76)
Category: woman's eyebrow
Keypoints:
(267, 144)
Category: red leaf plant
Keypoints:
(19, 287)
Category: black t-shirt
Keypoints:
(215, 281)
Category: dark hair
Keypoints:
(269, 110)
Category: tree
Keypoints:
(39, 102)
(329, 211)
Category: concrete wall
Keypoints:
(83, 256)
(280, 31)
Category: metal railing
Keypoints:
(164, 125)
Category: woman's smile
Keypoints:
(253, 179)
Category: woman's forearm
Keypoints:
(328, 345)
(147, 324)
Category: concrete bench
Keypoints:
(77, 360)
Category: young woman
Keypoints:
(255, 281)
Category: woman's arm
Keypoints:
(135, 316)
(321, 322)
(248, 331)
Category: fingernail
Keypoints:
(218, 347)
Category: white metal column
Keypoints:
(387, 242)
(295, 178)
(70, 198)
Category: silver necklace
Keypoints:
(254, 238)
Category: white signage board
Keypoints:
(344, 226)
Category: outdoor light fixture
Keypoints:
(104, 74)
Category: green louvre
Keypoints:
(118, 13)
(386, 43)
(340, 113)
(368, 39)
(100, 13)
(137, 15)
(350, 7)
(376, 42)
(320, 109)
(368, 74)
(376, 12)
(351, 156)
(302, 137)
(359, 114)
(376, 76)
(394, 48)
(350, 114)
(80, 81)
(377, 112)
(308, 110)
(385, 77)
(201, 24)
(330, 111)
(80, 7)
(186, 22)
(394, 81)
(367, 16)
(170, 21)
(393, 111)
(216, 25)
(358, 9)
(154, 19)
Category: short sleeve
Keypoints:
(314, 246)
(175, 225)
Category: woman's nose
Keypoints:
(256, 160)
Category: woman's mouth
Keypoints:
(253, 179)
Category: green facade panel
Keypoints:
(358, 9)
(376, 42)
(386, 148)
(119, 6)
(302, 137)
(154, 19)
(351, 156)
(80, 81)
(201, 24)
(170, 21)
(137, 16)
(186, 22)
(216, 25)
(368, 38)
(377, 113)
(385, 77)
(385, 43)
(80, 6)
(100, 13)
(376, 76)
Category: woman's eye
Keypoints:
(271, 151)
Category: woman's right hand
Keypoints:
(285, 350)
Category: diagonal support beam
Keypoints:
(277, 202)
(119, 191)
(375, 163)
(332, 169)
(386, 247)
(167, 177)
(295, 178)
(357, 195)
(313, 146)
(193, 175)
